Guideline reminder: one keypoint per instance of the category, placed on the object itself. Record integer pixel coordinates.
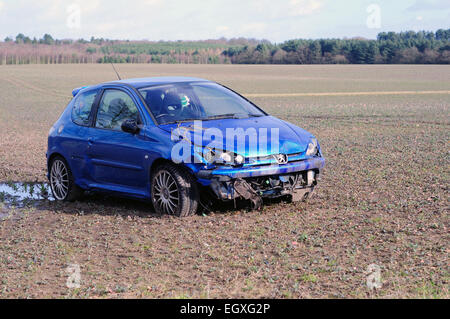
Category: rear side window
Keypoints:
(82, 107)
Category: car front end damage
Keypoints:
(262, 157)
(266, 178)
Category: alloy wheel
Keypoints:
(59, 180)
(165, 192)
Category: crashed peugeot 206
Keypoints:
(172, 140)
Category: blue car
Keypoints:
(175, 141)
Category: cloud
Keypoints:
(304, 7)
(284, 8)
(253, 27)
(105, 27)
(151, 2)
(47, 10)
(222, 28)
(199, 19)
(88, 6)
(424, 5)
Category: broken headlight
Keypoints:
(312, 148)
(215, 156)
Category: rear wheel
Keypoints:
(174, 191)
(61, 181)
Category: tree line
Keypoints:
(423, 47)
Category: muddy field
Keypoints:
(383, 198)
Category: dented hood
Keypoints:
(238, 135)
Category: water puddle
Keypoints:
(21, 195)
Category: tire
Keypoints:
(62, 182)
(174, 191)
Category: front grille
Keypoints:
(269, 159)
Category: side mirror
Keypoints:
(130, 126)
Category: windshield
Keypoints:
(180, 102)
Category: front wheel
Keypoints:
(174, 191)
(61, 181)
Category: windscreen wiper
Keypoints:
(256, 115)
(212, 117)
(183, 121)
(223, 116)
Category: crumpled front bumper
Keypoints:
(314, 163)
(296, 178)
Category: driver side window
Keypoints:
(115, 107)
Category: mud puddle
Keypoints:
(18, 195)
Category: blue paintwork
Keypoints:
(75, 91)
(115, 161)
(291, 140)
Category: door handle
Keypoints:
(90, 141)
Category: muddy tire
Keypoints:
(174, 191)
(62, 182)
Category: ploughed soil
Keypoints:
(382, 201)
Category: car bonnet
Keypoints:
(277, 132)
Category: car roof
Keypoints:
(144, 82)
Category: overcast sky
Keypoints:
(275, 20)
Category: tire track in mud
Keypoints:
(20, 83)
(345, 93)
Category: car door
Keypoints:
(81, 115)
(117, 158)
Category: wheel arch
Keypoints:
(159, 161)
(52, 157)
(186, 180)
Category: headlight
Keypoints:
(222, 157)
(226, 157)
(209, 155)
(312, 148)
(239, 159)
